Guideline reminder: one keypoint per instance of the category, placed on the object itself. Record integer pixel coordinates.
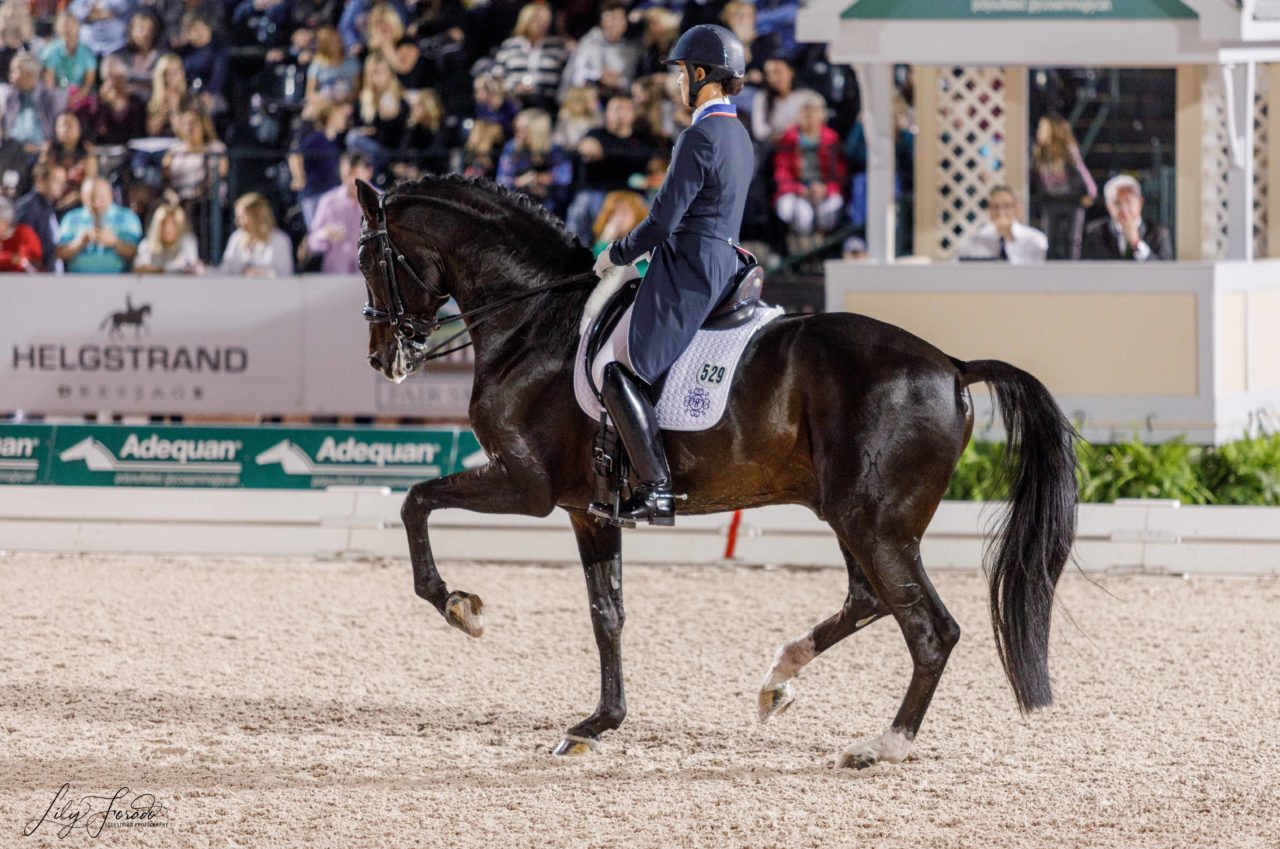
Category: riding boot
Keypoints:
(632, 413)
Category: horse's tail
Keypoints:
(1034, 541)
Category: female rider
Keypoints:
(691, 230)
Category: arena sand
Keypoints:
(311, 704)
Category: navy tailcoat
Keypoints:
(692, 229)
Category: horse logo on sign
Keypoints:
(131, 315)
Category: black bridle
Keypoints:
(413, 330)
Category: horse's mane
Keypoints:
(530, 207)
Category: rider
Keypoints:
(692, 229)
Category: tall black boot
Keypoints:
(632, 413)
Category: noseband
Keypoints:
(413, 330)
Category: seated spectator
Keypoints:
(205, 61)
(620, 213)
(257, 248)
(481, 152)
(605, 57)
(1004, 237)
(313, 163)
(99, 237)
(655, 110)
(612, 155)
(19, 245)
(168, 89)
(105, 23)
(170, 246)
(386, 38)
(353, 24)
(335, 230)
(809, 171)
(187, 164)
(68, 63)
(579, 113)
(1124, 234)
(438, 17)
(381, 113)
(661, 29)
(115, 115)
(492, 103)
(17, 32)
(740, 17)
(776, 108)
(331, 72)
(141, 52)
(172, 12)
(15, 167)
(423, 134)
(71, 150)
(28, 107)
(38, 209)
(531, 164)
(531, 60)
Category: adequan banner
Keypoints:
(203, 345)
(229, 457)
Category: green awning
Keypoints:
(1017, 10)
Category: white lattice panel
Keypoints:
(1260, 112)
(1217, 158)
(971, 151)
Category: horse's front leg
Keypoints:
(489, 489)
(601, 550)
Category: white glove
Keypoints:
(603, 263)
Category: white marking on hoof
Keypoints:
(891, 747)
(775, 701)
(862, 623)
(790, 659)
(574, 746)
(465, 612)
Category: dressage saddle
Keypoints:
(735, 309)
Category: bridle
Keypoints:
(413, 330)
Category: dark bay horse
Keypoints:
(858, 420)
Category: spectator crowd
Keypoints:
(128, 128)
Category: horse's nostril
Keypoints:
(375, 361)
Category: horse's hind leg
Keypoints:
(861, 608)
(601, 550)
(897, 575)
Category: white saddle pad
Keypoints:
(697, 387)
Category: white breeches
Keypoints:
(800, 215)
(614, 349)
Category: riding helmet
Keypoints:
(715, 48)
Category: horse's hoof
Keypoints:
(774, 701)
(891, 747)
(465, 612)
(574, 746)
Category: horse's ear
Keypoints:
(367, 195)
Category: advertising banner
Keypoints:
(250, 457)
(207, 345)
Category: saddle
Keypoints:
(736, 308)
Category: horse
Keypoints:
(136, 316)
(856, 419)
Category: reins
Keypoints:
(412, 329)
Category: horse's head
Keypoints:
(404, 291)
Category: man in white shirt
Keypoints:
(1004, 237)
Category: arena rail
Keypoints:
(357, 522)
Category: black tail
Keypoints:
(1034, 541)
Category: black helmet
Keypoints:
(715, 48)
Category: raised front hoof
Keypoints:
(573, 746)
(465, 612)
(774, 701)
(889, 748)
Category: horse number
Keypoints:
(711, 374)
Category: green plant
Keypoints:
(1246, 472)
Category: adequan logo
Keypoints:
(156, 454)
(19, 452)
(355, 457)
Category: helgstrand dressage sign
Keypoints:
(255, 457)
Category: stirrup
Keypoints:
(655, 505)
